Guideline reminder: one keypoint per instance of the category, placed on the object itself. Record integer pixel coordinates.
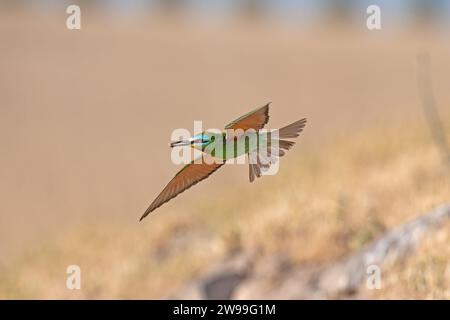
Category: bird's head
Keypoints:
(199, 141)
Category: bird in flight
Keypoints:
(241, 130)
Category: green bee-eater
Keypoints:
(239, 132)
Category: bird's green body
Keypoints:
(220, 146)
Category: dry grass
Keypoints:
(425, 275)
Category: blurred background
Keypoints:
(86, 116)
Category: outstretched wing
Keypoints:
(190, 175)
(261, 160)
(255, 119)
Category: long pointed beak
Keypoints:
(179, 143)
